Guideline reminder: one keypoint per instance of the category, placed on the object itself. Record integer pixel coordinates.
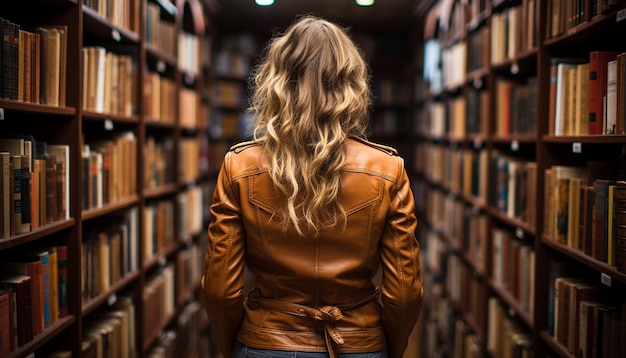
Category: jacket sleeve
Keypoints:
(402, 289)
(222, 283)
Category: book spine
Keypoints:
(45, 278)
(599, 220)
(5, 324)
(25, 186)
(620, 225)
(62, 280)
(598, 65)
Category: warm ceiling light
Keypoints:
(365, 2)
(264, 2)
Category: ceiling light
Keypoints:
(264, 2)
(365, 2)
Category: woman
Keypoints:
(313, 210)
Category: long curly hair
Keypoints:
(310, 93)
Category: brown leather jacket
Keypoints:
(332, 270)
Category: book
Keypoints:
(53, 281)
(610, 126)
(62, 30)
(586, 327)
(619, 229)
(5, 195)
(62, 280)
(51, 47)
(610, 240)
(21, 288)
(18, 264)
(10, 50)
(556, 86)
(5, 323)
(598, 66)
(61, 154)
(573, 231)
(620, 87)
(35, 67)
(600, 219)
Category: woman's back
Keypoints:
(313, 212)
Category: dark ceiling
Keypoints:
(385, 16)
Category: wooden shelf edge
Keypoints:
(44, 337)
(95, 302)
(37, 233)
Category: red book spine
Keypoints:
(597, 87)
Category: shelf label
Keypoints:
(162, 261)
(112, 299)
(514, 68)
(188, 78)
(116, 35)
(478, 82)
(511, 312)
(519, 233)
(108, 124)
(621, 15)
(605, 279)
(577, 147)
(1, 114)
(515, 145)
(160, 67)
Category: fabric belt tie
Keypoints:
(326, 314)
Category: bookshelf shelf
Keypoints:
(110, 295)
(10, 107)
(515, 310)
(37, 234)
(110, 208)
(599, 266)
(555, 345)
(41, 339)
(104, 30)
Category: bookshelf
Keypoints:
(515, 165)
(109, 101)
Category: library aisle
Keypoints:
(115, 116)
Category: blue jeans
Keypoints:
(242, 351)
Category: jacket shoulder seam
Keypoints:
(239, 147)
(383, 148)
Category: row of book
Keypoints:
(33, 63)
(158, 157)
(109, 81)
(563, 15)
(587, 94)
(109, 251)
(109, 332)
(586, 210)
(158, 92)
(109, 167)
(465, 171)
(513, 186)
(160, 34)
(125, 14)
(33, 293)
(587, 320)
(513, 267)
(513, 31)
(447, 323)
(516, 106)
(34, 185)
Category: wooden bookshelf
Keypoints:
(156, 99)
(511, 46)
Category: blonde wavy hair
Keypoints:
(310, 93)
